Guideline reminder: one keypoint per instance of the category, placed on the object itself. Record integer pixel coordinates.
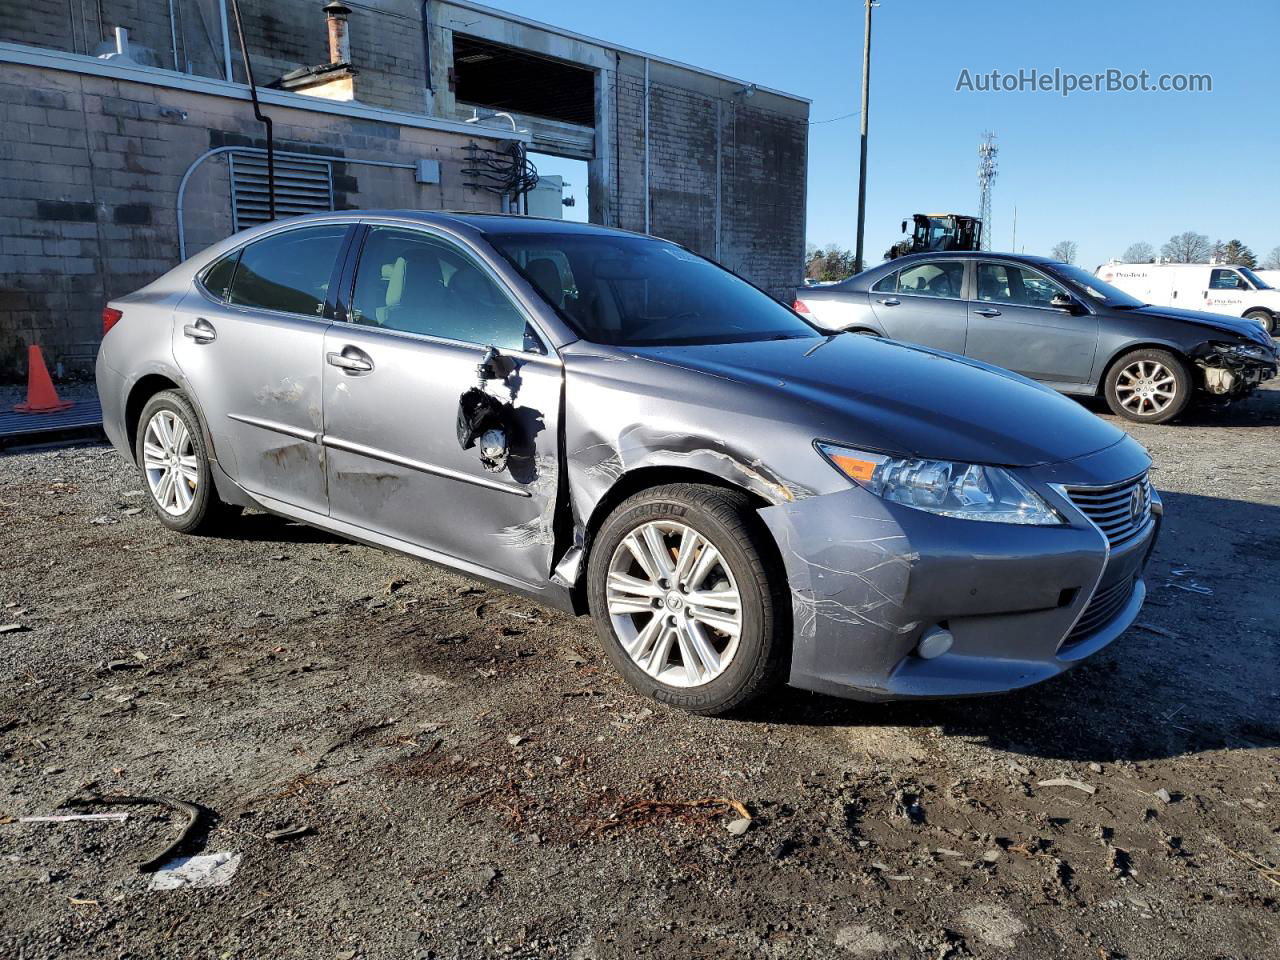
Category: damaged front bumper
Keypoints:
(870, 578)
(1232, 371)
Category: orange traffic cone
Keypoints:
(41, 397)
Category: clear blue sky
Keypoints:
(1103, 169)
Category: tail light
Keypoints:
(110, 316)
(799, 307)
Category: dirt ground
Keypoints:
(475, 782)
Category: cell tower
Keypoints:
(987, 151)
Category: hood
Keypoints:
(901, 399)
(1217, 321)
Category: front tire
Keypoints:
(174, 462)
(1264, 317)
(690, 606)
(1148, 386)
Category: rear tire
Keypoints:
(1148, 386)
(666, 623)
(171, 456)
(1264, 317)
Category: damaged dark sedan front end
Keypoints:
(611, 424)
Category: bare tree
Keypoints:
(1188, 247)
(1140, 252)
(1064, 251)
(1273, 260)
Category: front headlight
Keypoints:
(969, 491)
(1252, 351)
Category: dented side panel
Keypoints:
(396, 467)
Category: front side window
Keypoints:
(1225, 280)
(639, 291)
(415, 283)
(1005, 283)
(941, 279)
(288, 272)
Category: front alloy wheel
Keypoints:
(689, 597)
(1148, 386)
(673, 604)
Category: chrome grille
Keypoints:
(1104, 605)
(1112, 508)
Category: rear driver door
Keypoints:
(923, 303)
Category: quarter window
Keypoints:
(217, 279)
(414, 283)
(887, 284)
(288, 272)
(1005, 283)
(1225, 280)
(940, 279)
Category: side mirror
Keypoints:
(904, 226)
(1064, 301)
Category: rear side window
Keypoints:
(888, 284)
(217, 279)
(943, 279)
(415, 283)
(288, 272)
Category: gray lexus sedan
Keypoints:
(610, 424)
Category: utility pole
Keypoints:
(987, 170)
(862, 163)
(1014, 243)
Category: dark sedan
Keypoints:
(1055, 323)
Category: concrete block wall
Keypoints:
(89, 175)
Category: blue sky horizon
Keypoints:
(1103, 169)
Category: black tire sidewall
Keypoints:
(204, 498)
(755, 639)
(1181, 375)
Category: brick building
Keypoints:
(130, 139)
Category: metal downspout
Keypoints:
(257, 112)
(647, 223)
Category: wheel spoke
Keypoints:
(634, 586)
(657, 550)
(686, 553)
(692, 665)
(661, 652)
(702, 647)
(724, 622)
(644, 640)
(720, 599)
(707, 560)
(641, 553)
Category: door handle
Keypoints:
(350, 360)
(987, 312)
(890, 301)
(201, 331)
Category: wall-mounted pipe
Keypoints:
(257, 112)
(647, 224)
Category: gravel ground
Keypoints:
(474, 781)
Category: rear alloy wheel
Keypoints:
(1148, 386)
(1264, 317)
(682, 600)
(175, 465)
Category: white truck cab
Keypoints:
(1211, 287)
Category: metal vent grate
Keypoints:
(302, 186)
(1121, 511)
(1102, 608)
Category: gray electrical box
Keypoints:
(428, 171)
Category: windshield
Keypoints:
(636, 291)
(1253, 278)
(1092, 287)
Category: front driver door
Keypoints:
(250, 342)
(1012, 325)
(922, 303)
(422, 313)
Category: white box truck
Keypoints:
(1210, 287)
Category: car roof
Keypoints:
(487, 222)
(967, 254)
